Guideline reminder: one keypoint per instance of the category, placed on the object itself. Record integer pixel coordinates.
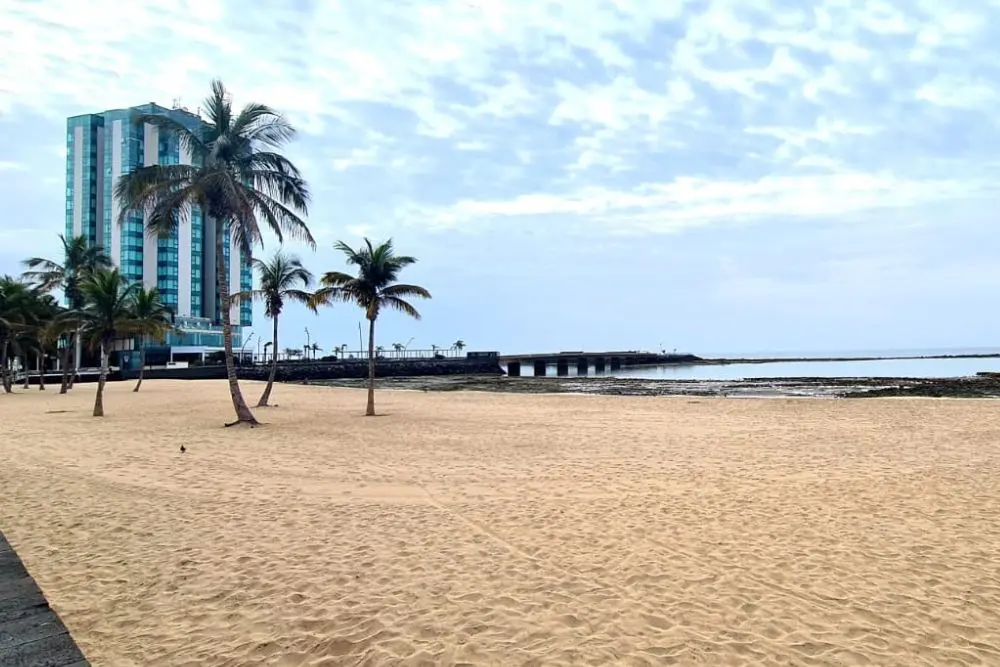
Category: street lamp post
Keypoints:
(243, 349)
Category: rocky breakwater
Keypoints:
(982, 385)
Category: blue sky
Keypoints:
(709, 175)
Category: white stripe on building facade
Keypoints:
(81, 199)
(99, 212)
(116, 171)
(209, 273)
(234, 281)
(184, 252)
(151, 148)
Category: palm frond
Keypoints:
(79, 260)
(402, 290)
(326, 296)
(352, 255)
(42, 265)
(144, 189)
(403, 306)
(281, 188)
(172, 209)
(279, 218)
(299, 296)
(219, 108)
(46, 273)
(245, 295)
(262, 124)
(336, 279)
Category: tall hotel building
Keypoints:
(100, 147)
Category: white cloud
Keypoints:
(474, 145)
(619, 105)
(658, 114)
(694, 202)
(825, 133)
(958, 92)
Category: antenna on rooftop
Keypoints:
(177, 103)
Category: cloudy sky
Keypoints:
(707, 175)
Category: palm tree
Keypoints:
(458, 345)
(49, 330)
(314, 348)
(238, 179)
(398, 347)
(280, 279)
(26, 314)
(373, 288)
(152, 320)
(108, 315)
(15, 309)
(292, 352)
(44, 323)
(80, 259)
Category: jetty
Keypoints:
(31, 633)
(600, 362)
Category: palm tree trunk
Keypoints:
(77, 355)
(24, 366)
(64, 365)
(41, 371)
(99, 399)
(142, 364)
(243, 414)
(370, 410)
(4, 374)
(262, 403)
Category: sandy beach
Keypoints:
(485, 529)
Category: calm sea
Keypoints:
(926, 368)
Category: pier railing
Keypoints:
(343, 354)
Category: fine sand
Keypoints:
(474, 528)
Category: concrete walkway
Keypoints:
(31, 634)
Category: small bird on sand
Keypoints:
(183, 449)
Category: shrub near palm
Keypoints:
(374, 288)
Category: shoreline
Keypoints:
(725, 361)
(979, 386)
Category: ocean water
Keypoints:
(913, 367)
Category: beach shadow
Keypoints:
(239, 424)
